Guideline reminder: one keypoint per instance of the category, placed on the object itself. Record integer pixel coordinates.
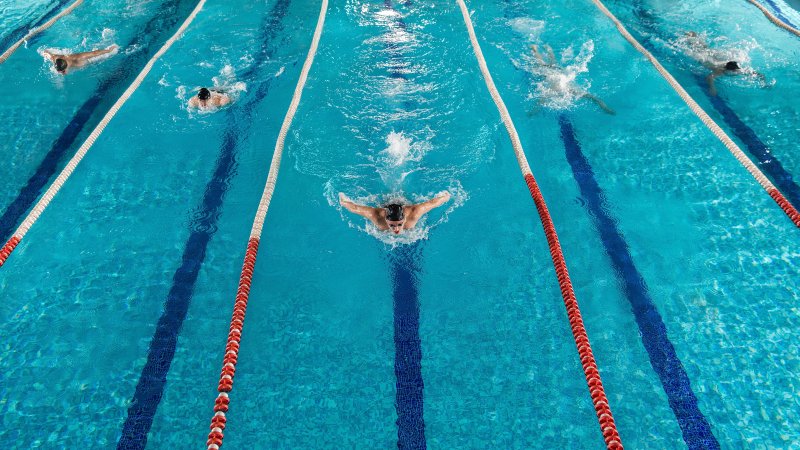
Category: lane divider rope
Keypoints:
(38, 30)
(51, 192)
(590, 370)
(218, 422)
(774, 19)
(737, 152)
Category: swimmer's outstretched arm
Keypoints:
(96, 53)
(710, 79)
(536, 54)
(550, 54)
(761, 77)
(51, 56)
(422, 208)
(363, 211)
(415, 212)
(600, 103)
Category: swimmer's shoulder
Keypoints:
(221, 98)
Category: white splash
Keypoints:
(226, 81)
(557, 84)
(393, 162)
(399, 149)
(530, 28)
(715, 53)
(698, 46)
(107, 36)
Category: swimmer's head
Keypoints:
(204, 94)
(395, 217)
(732, 66)
(61, 65)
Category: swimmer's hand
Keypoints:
(343, 198)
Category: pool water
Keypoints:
(117, 303)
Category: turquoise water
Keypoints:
(395, 105)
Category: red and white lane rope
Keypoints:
(737, 152)
(775, 19)
(51, 192)
(38, 30)
(607, 425)
(225, 385)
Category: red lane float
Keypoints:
(596, 391)
(232, 348)
(786, 206)
(8, 248)
(225, 385)
(590, 370)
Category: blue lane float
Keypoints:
(154, 33)
(663, 357)
(405, 262)
(153, 379)
(779, 13)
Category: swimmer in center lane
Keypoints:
(394, 217)
(64, 63)
(554, 76)
(208, 99)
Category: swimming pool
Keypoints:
(117, 302)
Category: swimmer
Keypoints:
(715, 61)
(63, 63)
(550, 63)
(394, 217)
(209, 99)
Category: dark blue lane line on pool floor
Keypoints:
(150, 388)
(407, 345)
(782, 179)
(11, 38)
(663, 358)
(757, 149)
(119, 77)
(408, 348)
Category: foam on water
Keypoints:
(558, 86)
(530, 28)
(401, 150)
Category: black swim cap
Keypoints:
(732, 65)
(61, 64)
(394, 212)
(204, 94)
